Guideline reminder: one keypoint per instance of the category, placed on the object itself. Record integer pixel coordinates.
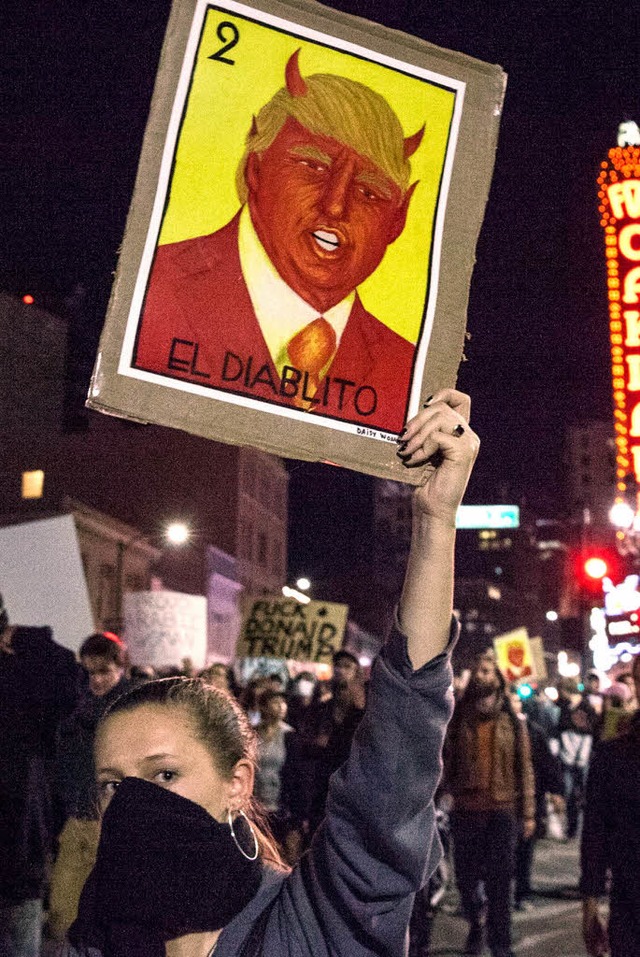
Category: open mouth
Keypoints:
(326, 240)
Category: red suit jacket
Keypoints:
(198, 325)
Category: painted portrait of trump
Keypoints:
(268, 306)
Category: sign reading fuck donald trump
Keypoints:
(297, 259)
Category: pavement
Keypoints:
(552, 925)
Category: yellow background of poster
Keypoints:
(218, 113)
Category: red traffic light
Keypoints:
(596, 567)
(593, 564)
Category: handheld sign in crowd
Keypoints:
(277, 627)
(513, 651)
(296, 263)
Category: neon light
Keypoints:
(619, 208)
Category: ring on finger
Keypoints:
(458, 431)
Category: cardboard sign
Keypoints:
(513, 651)
(537, 656)
(277, 627)
(296, 265)
(162, 628)
(42, 579)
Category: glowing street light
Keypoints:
(177, 533)
(621, 515)
(303, 584)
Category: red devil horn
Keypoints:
(254, 127)
(412, 143)
(295, 84)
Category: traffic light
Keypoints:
(594, 564)
(596, 567)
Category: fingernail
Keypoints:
(401, 434)
(407, 459)
(403, 447)
(427, 401)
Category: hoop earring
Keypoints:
(249, 857)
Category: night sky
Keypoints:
(78, 78)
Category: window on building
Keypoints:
(33, 484)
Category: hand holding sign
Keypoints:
(440, 435)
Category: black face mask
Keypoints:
(164, 868)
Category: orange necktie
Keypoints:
(309, 351)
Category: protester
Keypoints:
(103, 657)
(327, 733)
(38, 687)
(299, 696)
(617, 709)
(182, 867)
(217, 675)
(611, 843)
(547, 774)
(574, 735)
(278, 782)
(592, 692)
(489, 774)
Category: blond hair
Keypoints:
(343, 109)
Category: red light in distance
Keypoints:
(28, 299)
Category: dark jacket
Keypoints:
(547, 770)
(352, 893)
(38, 686)
(75, 772)
(611, 829)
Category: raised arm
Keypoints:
(440, 433)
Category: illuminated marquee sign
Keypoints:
(619, 195)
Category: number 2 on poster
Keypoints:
(225, 30)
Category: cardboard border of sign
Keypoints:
(149, 402)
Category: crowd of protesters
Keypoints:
(512, 767)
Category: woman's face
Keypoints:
(157, 743)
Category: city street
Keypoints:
(551, 928)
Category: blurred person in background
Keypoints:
(278, 782)
(617, 709)
(489, 774)
(547, 774)
(38, 687)
(299, 697)
(217, 675)
(577, 722)
(610, 845)
(327, 732)
(103, 657)
(626, 678)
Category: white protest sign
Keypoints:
(162, 628)
(42, 579)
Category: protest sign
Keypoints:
(278, 627)
(162, 628)
(513, 652)
(42, 579)
(296, 265)
(539, 663)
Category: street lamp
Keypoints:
(303, 584)
(175, 533)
